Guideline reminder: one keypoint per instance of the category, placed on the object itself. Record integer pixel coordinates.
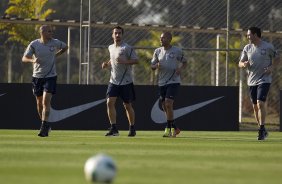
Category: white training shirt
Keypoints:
(259, 57)
(121, 74)
(169, 61)
(47, 57)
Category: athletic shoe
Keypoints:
(112, 132)
(44, 129)
(132, 132)
(177, 131)
(262, 134)
(173, 132)
(167, 132)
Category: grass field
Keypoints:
(193, 157)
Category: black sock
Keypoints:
(262, 127)
(45, 123)
(169, 123)
(113, 126)
(131, 127)
(173, 125)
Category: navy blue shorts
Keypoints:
(125, 92)
(168, 91)
(44, 84)
(259, 92)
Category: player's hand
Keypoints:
(268, 70)
(155, 66)
(179, 68)
(177, 71)
(105, 64)
(35, 60)
(121, 61)
(246, 64)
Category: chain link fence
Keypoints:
(199, 27)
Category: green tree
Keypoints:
(33, 9)
(235, 42)
(19, 35)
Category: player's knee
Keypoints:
(168, 104)
(127, 106)
(260, 104)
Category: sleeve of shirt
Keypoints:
(181, 58)
(60, 44)
(273, 53)
(155, 58)
(244, 56)
(30, 50)
(132, 54)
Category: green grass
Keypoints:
(194, 157)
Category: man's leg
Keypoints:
(261, 112)
(111, 110)
(129, 113)
(39, 106)
(262, 134)
(168, 103)
(262, 92)
(177, 130)
(131, 118)
(168, 109)
(46, 105)
(256, 113)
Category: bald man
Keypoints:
(170, 61)
(42, 54)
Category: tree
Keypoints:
(19, 35)
(33, 9)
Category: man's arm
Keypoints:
(275, 62)
(180, 67)
(61, 51)
(106, 64)
(29, 59)
(243, 64)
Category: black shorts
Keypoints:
(168, 91)
(44, 84)
(259, 92)
(125, 92)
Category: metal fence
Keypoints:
(212, 34)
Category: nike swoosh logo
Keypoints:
(158, 116)
(58, 115)
(2, 94)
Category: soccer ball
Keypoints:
(100, 168)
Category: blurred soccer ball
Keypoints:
(100, 168)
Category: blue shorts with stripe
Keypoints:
(125, 92)
(259, 92)
(168, 91)
(44, 84)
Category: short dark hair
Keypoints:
(44, 28)
(118, 27)
(168, 34)
(255, 30)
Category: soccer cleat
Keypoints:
(167, 132)
(177, 131)
(173, 132)
(44, 129)
(262, 134)
(132, 132)
(112, 132)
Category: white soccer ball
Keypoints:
(100, 168)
